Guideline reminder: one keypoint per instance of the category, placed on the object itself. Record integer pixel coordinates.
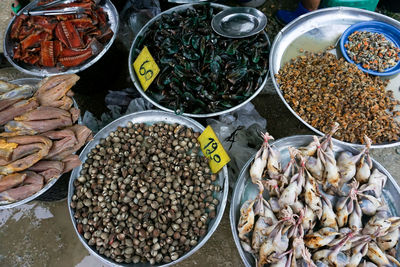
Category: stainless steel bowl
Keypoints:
(245, 189)
(239, 22)
(149, 117)
(113, 19)
(6, 204)
(133, 54)
(316, 31)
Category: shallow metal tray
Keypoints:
(239, 22)
(133, 54)
(149, 117)
(245, 189)
(113, 20)
(6, 204)
(315, 31)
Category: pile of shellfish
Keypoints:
(323, 208)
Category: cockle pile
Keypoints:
(322, 209)
(38, 135)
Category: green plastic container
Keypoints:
(364, 4)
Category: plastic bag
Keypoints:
(134, 15)
(239, 133)
(126, 105)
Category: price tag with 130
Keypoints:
(213, 150)
(146, 68)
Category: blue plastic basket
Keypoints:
(390, 32)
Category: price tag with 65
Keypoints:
(213, 150)
(146, 68)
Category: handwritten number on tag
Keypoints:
(214, 146)
(148, 74)
(213, 150)
(146, 68)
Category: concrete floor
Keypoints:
(41, 233)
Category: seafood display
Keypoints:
(38, 135)
(200, 71)
(144, 193)
(372, 50)
(322, 89)
(60, 41)
(324, 208)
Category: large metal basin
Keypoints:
(150, 117)
(134, 53)
(316, 31)
(245, 189)
(113, 20)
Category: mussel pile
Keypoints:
(324, 208)
(202, 72)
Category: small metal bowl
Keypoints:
(149, 117)
(113, 20)
(390, 32)
(239, 22)
(245, 189)
(7, 204)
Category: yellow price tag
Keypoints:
(213, 150)
(146, 68)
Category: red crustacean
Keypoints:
(61, 40)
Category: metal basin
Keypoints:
(134, 53)
(6, 204)
(316, 31)
(113, 20)
(149, 117)
(239, 22)
(245, 189)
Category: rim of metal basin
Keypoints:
(149, 116)
(308, 22)
(138, 87)
(113, 19)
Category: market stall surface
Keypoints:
(41, 233)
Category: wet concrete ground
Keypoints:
(41, 233)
